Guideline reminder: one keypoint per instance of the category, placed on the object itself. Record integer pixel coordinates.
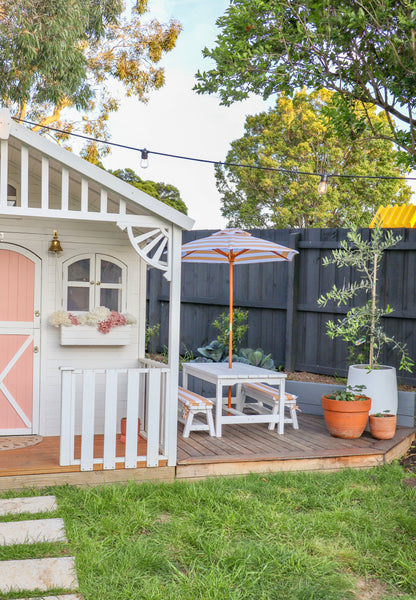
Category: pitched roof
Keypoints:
(141, 202)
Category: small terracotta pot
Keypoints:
(383, 428)
(346, 419)
(123, 430)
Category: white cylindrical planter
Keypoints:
(380, 385)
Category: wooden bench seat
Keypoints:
(268, 399)
(193, 404)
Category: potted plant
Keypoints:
(346, 412)
(362, 327)
(383, 425)
(99, 327)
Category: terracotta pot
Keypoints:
(346, 419)
(383, 428)
(123, 430)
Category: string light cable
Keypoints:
(144, 152)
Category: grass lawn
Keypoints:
(293, 536)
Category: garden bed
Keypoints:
(316, 378)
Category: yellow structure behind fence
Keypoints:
(395, 216)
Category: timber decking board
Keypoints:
(252, 444)
(44, 457)
(256, 442)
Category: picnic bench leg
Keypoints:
(210, 422)
(218, 409)
(294, 417)
(275, 411)
(188, 423)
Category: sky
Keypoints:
(178, 121)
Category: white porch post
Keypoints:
(173, 347)
(67, 417)
(4, 153)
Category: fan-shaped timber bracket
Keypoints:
(151, 246)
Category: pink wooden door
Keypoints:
(18, 337)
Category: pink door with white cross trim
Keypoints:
(19, 340)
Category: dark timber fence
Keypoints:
(284, 317)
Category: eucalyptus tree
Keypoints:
(57, 55)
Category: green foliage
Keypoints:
(217, 350)
(150, 332)
(349, 394)
(363, 51)
(164, 192)
(240, 327)
(212, 352)
(186, 356)
(298, 132)
(256, 358)
(71, 54)
(243, 538)
(363, 323)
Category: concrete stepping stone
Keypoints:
(31, 532)
(38, 504)
(38, 574)
(64, 597)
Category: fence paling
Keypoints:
(145, 391)
(284, 316)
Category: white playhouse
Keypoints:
(74, 238)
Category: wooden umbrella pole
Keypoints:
(230, 333)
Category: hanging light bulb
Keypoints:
(323, 184)
(144, 163)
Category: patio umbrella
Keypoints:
(234, 246)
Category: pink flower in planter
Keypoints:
(113, 320)
(73, 319)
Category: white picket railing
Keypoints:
(93, 401)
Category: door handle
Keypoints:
(36, 349)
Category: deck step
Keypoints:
(31, 532)
(38, 504)
(38, 574)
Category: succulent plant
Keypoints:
(255, 357)
(213, 352)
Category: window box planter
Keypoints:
(85, 335)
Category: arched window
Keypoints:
(94, 280)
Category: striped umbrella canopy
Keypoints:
(234, 246)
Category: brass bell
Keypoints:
(55, 243)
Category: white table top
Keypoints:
(239, 371)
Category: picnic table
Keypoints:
(221, 375)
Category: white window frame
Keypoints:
(94, 283)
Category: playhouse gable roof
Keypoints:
(66, 171)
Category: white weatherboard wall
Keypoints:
(76, 238)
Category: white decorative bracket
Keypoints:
(5, 123)
(150, 246)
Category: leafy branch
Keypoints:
(362, 324)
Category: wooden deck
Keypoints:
(253, 448)
(242, 449)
